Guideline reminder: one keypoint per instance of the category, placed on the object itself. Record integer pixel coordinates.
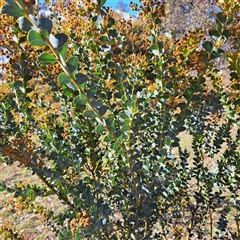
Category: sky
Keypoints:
(114, 5)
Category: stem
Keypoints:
(146, 227)
(125, 187)
(58, 193)
(238, 228)
(211, 224)
(190, 225)
(161, 135)
(93, 162)
(25, 96)
(133, 181)
(138, 204)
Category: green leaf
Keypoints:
(103, 39)
(46, 58)
(97, 19)
(89, 114)
(3, 186)
(96, 104)
(116, 146)
(101, 2)
(102, 110)
(76, 237)
(72, 86)
(100, 129)
(46, 24)
(168, 142)
(63, 52)
(125, 127)
(154, 49)
(25, 24)
(208, 46)
(157, 20)
(108, 138)
(63, 78)
(81, 78)
(130, 103)
(234, 75)
(67, 93)
(188, 92)
(196, 98)
(111, 22)
(93, 47)
(12, 9)
(27, 77)
(217, 53)
(35, 38)
(173, 70)
(72, 63)
(48, 193)
(111, 64)
(151, 38)
(219, 27)
(58, 40)
(125, 117)
(80, 100)
(110, 121)
(222, 17)
(231, 17)
(160, 45)
(226, 33)
(112, 33)
(214, 34)
(31, 194)
(237, 102)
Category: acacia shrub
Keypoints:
(98, 119)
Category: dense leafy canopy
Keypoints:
(99, 108)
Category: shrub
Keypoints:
(99, 119)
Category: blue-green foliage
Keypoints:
(117, 151)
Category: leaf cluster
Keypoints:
(98, 119)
